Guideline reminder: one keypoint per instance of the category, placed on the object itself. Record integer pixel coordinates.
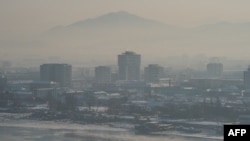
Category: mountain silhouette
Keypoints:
(118, 31)
(120, 18)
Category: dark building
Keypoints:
(153, 73)
(114, 76)
(61, 73)
(102, 74)
(247, 78)
(129, 66)
(214, 69)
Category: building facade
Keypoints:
(102, 74)
(153, 73)
(61, 73)
(129, 66)
(214, 69)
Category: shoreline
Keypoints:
(104, 128)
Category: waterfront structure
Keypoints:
(61, 73)
(153, 73)
(129, 66)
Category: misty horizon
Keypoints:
(114, 30)
(124, 70)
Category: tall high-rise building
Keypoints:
(61, 73)
(129, 66)
(247, 78)
(214, 69)
(102, 74)
(153, 73)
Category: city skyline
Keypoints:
(117, 70)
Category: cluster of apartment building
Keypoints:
(56, 79)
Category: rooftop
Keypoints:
(129, 53)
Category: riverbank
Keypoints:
(15, 127)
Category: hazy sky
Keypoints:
(20, 17)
